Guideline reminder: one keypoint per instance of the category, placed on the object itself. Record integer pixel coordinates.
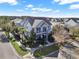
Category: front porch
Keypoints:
(43, 36)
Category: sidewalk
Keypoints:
(15, 51)
(28, 56)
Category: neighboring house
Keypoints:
(41, 26)
(17, 21)
(71, 22)
(57, 21)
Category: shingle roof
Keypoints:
(36, 20)
(74, 19)
(31, 20)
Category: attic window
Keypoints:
(44, 29)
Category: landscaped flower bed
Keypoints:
(18, 49)
(45, 50)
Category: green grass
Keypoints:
(45, 50)
(19, 50)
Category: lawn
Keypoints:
(45, 50)
(18, 49)
(75, 32)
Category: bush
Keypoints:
(51, 38)
(37, 53)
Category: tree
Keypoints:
(60, 35)
(74, 32)
(50, 37)
(22, 32)
(31, 38)
(7, 29)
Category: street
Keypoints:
(6, 51)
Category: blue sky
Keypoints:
(47, 8)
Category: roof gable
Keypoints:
(35, 20)
(43, 23)
(76, 20)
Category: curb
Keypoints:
(14, 50)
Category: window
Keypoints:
(38, 36)
(44, 29)
(38, 30)
(44, 36)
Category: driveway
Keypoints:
(7, 52)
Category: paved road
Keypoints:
(6, 51)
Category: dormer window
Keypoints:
(44, 29)
(38, 30)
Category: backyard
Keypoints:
(45, 50)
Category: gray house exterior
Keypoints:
(41, 26)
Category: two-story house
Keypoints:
(41, 26)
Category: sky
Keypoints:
(43, 8)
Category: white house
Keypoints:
(42, 26)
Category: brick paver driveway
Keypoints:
(7, 52)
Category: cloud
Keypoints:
(74, 6)
(29, 6)
(38, 9)
(12, 2)
(44, 10)
(56, 11)
(19, 10)
(48, 12)
(41, 9)
(61, 2)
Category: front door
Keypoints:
(44, 36)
